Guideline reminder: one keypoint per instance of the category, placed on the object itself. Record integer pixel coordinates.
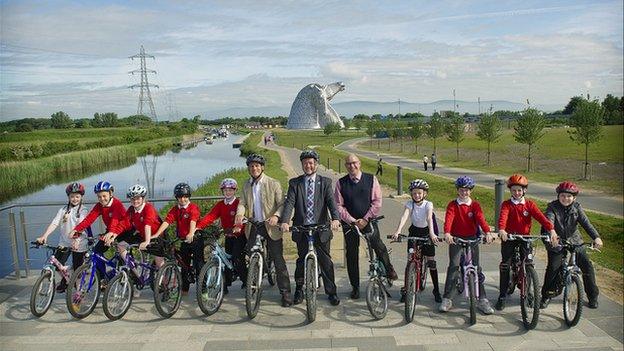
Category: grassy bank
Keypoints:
(610, 228)
(22, 177)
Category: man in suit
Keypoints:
(262, 201)
(310, 196)
(358, 198)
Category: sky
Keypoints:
(73, 56)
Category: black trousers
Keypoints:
(379, 171)
(193, 257)
(324, 261)
(352, 241)
(63, 255)
(433, 166)
(425, 163)
(555, 261)
(275, 249)
(507, 251)
(235, 246)
(455, 252)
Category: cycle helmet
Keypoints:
(418, 184)
(136, 190)
(465, 182)
(182, 189)
(309, 154)
(517, 179)
(229, 183)
(568, 187)
(102, 186)
(75, 188)
(256, 158)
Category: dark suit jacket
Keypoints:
(324, 204)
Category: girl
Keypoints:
(421, 213)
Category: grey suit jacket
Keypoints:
(324, 204)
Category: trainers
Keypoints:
(392, 275)
(500, 304)
(484, 306)
(445, 305)
(136, 293)
(544, 303)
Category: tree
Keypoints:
(371, 129)
(108, 119)
(61, 120)
(436, 129)
(24, 127)
(331, 128)
(416, 131)
(574, 101)
(587, 123)
(529, 129)
(83, 123)
(455, 131)
(613, 112)
(357, 123)
(489, 129)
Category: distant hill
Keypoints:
(351, 108)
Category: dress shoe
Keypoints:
(355, 293)
(334, 300)
(286, 299)
(298, 296)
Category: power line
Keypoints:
(11, 71)
(23, 47)
(145, 96)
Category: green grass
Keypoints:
(443, 190)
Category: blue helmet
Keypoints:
(465, 182)
(102, 186)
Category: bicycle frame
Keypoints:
(466, 264)
(521, 258)
(309, 230)
(53, 263)
(258, 248)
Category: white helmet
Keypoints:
(136, 190)
(418, 184)
(229, 183)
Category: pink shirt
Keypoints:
(374, 209)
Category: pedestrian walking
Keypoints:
(425, 161)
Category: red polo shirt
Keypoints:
(111, 215)
(225, 213)
(463, 220)
(138, 220)
(183, 217)
(516, 218)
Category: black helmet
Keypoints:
(256, 158)
(182, 189)
(309, 154)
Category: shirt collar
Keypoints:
(229, 201)
(518, 202)
(357, 177)
(312, 176)
(140, 209)
(257, 180)
(184, 207)
(461, 202)
(110, 203)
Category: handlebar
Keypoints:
(403, 237)
(37, 244)
(527, 238)
(569, 245)
(311, 227)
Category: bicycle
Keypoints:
(523, 276)
(468, 280)
(211, 278)
(43, 291)
(376, 291)
(84, 287)
(571, 284)
(415, 272)
(259, 261)
(311, 273)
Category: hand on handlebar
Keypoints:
(434, 238)
(489, 237)
(598, 243)
(285, 227)
(449, 238)
(554, 238)
(503, 235)
(41, 240)
(335, 224)
(108, 238)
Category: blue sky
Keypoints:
(73, 56)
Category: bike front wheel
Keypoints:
(411, 294)
(42, 294)
(118, 296)
(253, 294)
(529, 298)
(310, 289)
(376, 298)
(83, 291)
(572, 300)
(271, 273)
(210, 287)
(472, 296)
(168, 291)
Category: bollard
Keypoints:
(25, 241)
(12, 224)
(399, 180)
(499, 192)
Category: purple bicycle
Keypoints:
(468, 280)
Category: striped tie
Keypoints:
(310, 202)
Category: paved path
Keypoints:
(591, 200)
(347, 327)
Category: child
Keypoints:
(112, 212)
(235, 241)
(463, 219)
(421, 213)
(67, 217)
(515, 218)
(566, 214)
(185, 215)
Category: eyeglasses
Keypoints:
(352, 163)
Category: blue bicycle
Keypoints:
(211, 280)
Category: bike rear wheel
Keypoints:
(271, 273)
(410, 292)
(42, 294)
(118, 296)
(253, 294)
(572, 300)
(529, 298)
(472, 296)
(376, 298)
(81, 298)
(310, 289)
(210, 287)
(168, 291)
